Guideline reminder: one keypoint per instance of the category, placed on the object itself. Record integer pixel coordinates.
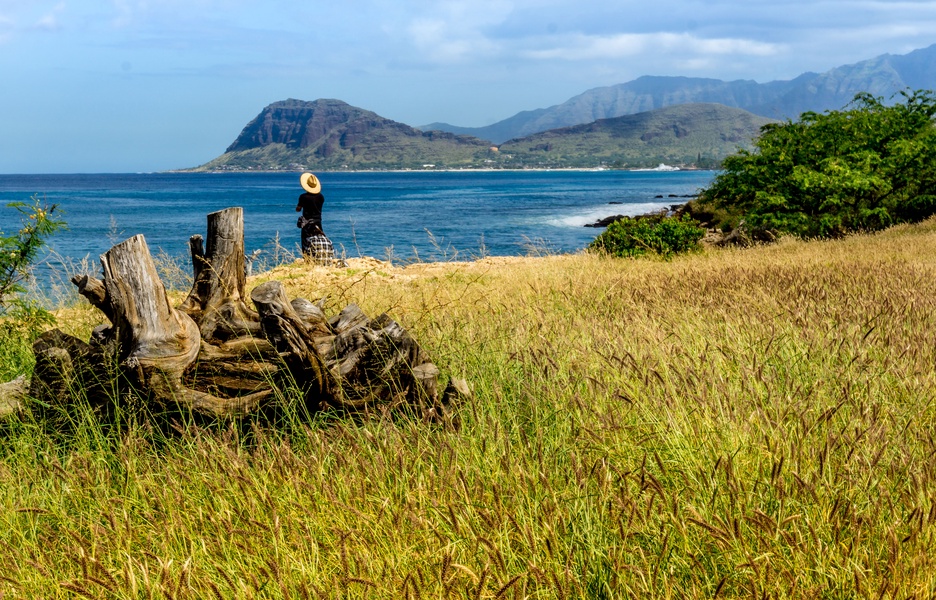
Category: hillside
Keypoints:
(700, 134)
(732, 424)
(331, 134)
(882, 76)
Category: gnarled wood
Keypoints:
(285, 329)
(350, 362)
(62, 372)
(147, 327)
(379, 363)
(217, 299)
(13, 396)
(157, 343)
(93, 289)
(215, 356)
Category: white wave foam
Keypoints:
(596, 213)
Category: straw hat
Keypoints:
(310, 183)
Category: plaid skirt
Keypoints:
(317, 246)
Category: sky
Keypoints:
(112, 86)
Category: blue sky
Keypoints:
(149, 85)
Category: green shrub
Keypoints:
(20, 250)
(21, 320)
(662, 235)
(829, 174)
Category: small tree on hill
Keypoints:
(19, 250)
(863, 168)
(21, 320)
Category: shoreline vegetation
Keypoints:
(734, 422)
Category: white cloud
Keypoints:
(437, 41)
(454, 31)
(584, 47)
(729, 46)
(125, 12)
(50, 20)
(18, 18)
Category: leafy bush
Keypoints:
(18, 251)
(21, 320)
(662, 235)
(863, 168)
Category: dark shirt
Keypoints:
(311, 205)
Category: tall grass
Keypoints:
(755, 423)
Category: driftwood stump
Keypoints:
(217, 300)
(215, 356)
(156, 343)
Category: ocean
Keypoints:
(401, 216)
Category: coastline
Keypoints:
(453, 170)
(436, 215)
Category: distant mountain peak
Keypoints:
(884, 76)
(299, 124)
(327, 133)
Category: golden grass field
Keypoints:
(752, 423)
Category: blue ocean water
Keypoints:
(427, 216)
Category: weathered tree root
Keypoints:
(215, 357)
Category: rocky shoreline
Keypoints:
(741, 235)
(672, 210)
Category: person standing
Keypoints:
(315, 244)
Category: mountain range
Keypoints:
(686, 134)
(683, 120)
(332, 135)
(883, 76)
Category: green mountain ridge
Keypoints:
(332, 135)
(882, 76)
(688, 134)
